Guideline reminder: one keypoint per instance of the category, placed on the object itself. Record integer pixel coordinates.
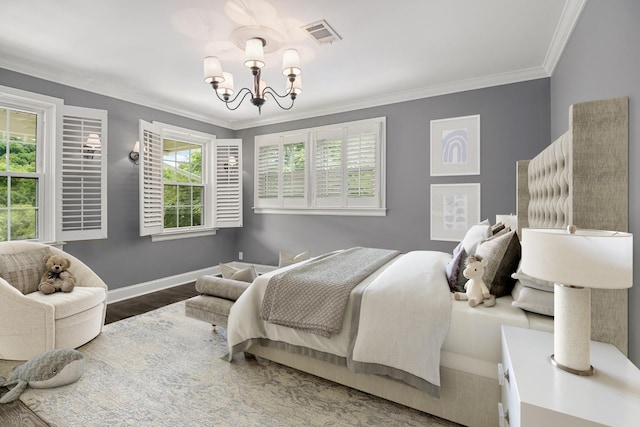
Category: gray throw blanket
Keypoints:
(314, 296)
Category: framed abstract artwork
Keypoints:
(454, 208)
(455, 146)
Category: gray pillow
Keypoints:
(23, 270)
(454, 268)
(532, 282)
(503, 255)
(533, 300)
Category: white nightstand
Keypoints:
(535, 393)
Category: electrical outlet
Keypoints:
(240, 256)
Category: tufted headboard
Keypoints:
(582, 178)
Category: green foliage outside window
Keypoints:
(183, 186)
(18, 190)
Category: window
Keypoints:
(52, 185)
(20, 177)
(191, 183)
(337, 170)
(182, 184)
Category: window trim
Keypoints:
(310, 207)
(51, 110)
(207, 141)
(219, 213)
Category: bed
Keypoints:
(581, 179)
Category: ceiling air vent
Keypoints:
(322, 32)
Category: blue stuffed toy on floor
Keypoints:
(52, 368)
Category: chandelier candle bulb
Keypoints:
(294, 89)
(226, 87)
(213, 70)
(291, 63)
(254, 53)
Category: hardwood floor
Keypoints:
(138, 305)
(17, 414)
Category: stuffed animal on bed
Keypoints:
(56, 276)
(476, 290)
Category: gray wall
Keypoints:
(125, 258)
(514, 126)
(602, 60)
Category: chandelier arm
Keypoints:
(270, 90)
(234, 98)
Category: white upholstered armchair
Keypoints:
(32, 322)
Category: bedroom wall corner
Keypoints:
(514, 126)
(601, 61)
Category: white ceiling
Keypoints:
(150, 51)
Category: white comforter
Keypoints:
(401, 324)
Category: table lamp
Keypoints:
(576, 261)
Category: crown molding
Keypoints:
(409, 95)
(568, 20)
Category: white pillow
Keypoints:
(533, 300)
(532, 282)
(287, 259)
(475, 235)
(247, 274)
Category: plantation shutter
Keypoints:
(82, 175)
(228, 183)
(267, 175)
(151, 202)
(329, 168)
(361, 170)
(294, 188)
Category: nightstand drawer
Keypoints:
(509, 412)
(539, 394)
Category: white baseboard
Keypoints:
(132, 291)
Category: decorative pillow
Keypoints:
(497, 228)
(287, 259)
(23, 270)
(475, 234)
(533, 300)
(243, 274)
(454, 269)
(532, 282)
(503, 255)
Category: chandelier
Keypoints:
(222, 81)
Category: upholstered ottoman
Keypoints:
(217, 297)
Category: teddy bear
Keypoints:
(476, 290)
(56, 276)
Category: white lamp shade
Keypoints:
(93, 141)
(226, 87)
(254, 53)
(587, 258)
(291, 63)
(213, 70)
(297, 86)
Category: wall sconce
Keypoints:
(92, 145)
(231, 163)
(134, 154)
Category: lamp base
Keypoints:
(586, 373)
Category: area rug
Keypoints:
(164, 369)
